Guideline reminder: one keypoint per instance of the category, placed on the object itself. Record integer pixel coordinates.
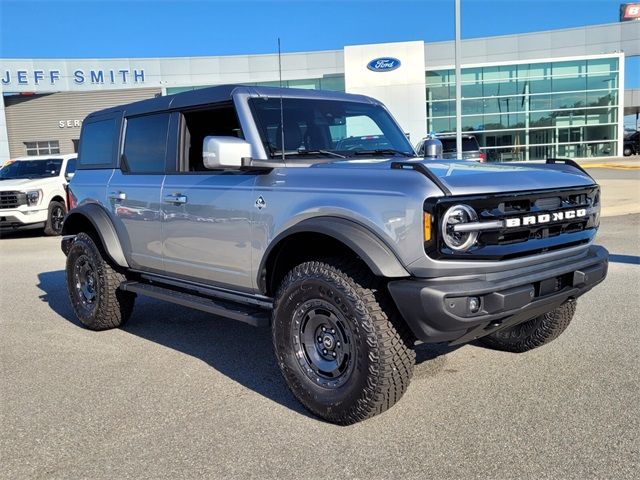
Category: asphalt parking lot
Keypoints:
(180, 394)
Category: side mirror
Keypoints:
(224, 152)
(69, 176)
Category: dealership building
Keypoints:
(558, 93)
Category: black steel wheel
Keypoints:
(323, 337)
(93, 286)
(55, 218)
(341, 346)
(84, 283)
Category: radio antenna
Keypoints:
(281, 108)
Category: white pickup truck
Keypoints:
(33, 192)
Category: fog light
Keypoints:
(474, 304)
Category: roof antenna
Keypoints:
(281, 108)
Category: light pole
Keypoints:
(458, 84)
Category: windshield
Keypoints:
(32, 169)
(469, 144)
(333, 128)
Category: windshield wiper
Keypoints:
(309, 152)
(383, 151)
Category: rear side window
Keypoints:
(145, 143)
(96, 143)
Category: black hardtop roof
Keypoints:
(222, 93)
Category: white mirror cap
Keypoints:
(224, 152)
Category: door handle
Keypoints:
(176, 199)
(118, 196)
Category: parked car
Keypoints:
(259, 214)
(470, 147)
(631, 144)
(33, 192)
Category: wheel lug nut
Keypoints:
(324, 329)
(337, 344)
(319, 339)
(334, 354)
(324, 350)
(333, 330)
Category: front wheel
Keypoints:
(340, 344)
(93, 286)
(55, 217)
(532, 333)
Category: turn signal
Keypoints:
(426, 220)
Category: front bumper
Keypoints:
(439, 309)
(18, 218)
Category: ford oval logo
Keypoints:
(384, 64)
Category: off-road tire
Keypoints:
(533, 333)
(111, 307)
(53, 225)
(383, 357)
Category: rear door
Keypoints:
(134, 190)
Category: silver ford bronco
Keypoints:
(309, 212)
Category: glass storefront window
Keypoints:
(602, 65)
(601, 115)
(472, 107)
(440, 92)
(539, 102)
(568, 102)
(334, 83)
(441, 125)
(602, 98)
(597, 82)
(442, 109)
(569, 83)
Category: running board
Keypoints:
(243, 313)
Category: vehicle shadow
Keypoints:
(22, 233)
(630, 259)
(238, 351)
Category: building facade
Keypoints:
(525, 97)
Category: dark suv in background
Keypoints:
(631, 144)
(470, 148)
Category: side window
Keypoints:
(71, 166)
(198, 124)
(145, 143)
(96, 143)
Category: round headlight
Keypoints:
(456, 215)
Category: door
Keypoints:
(207, 227)
(134, 190)
(207, 213)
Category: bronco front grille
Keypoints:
(524, 235)
(12, 199)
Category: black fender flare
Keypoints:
(99, 218)
(378, 256)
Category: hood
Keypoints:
(468, 178)
(25, 183)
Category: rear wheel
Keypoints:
(93, 286)
(340, 344)
(57, 211)
(532, 333)
(627, 151)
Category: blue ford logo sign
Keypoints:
(384, 64)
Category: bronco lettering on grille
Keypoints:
(545, 218)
